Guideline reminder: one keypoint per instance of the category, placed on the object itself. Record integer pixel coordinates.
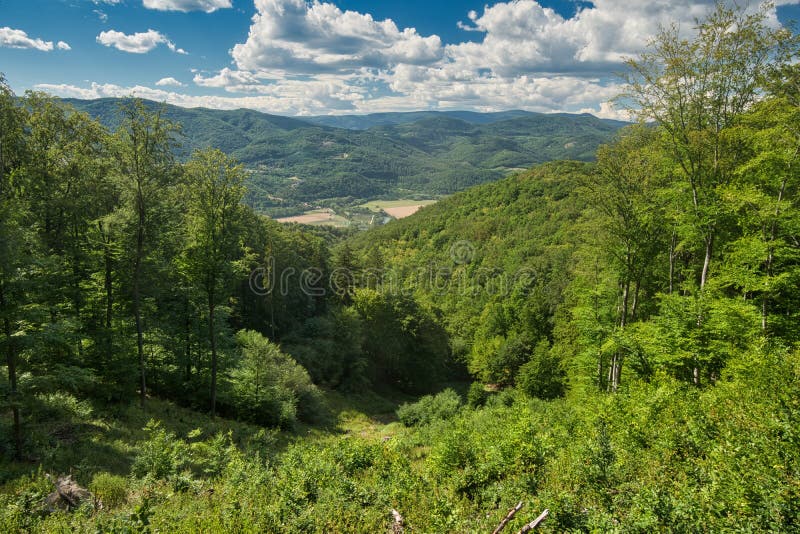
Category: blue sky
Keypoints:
(299, 57)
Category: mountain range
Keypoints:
(298, 161)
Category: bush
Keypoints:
(269, 387)
(477, 395)
(430, 408)
(112, 490)
(542, 377)
(161, 456)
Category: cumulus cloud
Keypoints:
(530, 56)
(290, 98)
(169, 81)
(136, 43)
(523, 37)
(209, 6)
(309, 57)
(12, 38)
(227, 78)
(319, 37)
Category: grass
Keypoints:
(105, 438)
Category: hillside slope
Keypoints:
(425, 153)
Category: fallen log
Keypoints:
(68, 495)
(508, 518)
(535, 523)
(398, 526)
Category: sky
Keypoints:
(318, 57)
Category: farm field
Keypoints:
(317, 217)
(397, 208)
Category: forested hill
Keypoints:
(403, 153)
(364, 122)
(616, 342)
(494, 260)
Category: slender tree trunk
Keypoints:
(635, 305)
(76, 288)
(600, 384)
(188, 334)
(213, 339)
(11, 362)
(623, 316)
(137, 309)
(709, 246)
(770, 256)
(108, 282)
(672, 245)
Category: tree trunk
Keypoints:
(709, 242)
(213, 339)
(137, 309)
(108, 279)
(11, 362)
(672, 262)
(188, 349)
(770, 258)
(623, 316)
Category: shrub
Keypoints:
(477, 395)
(542, 376)
(161, 456)
(269, 387)
(430, 408)
(112, 490)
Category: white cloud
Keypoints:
(302, 37)
(136, 43)
(523, 37)
(12, 38)
(209, 6)
(291, 98)
(169, 81)
(332, 95)
(232, 80)
(310, 57)
(100, 15)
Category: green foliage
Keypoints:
(438, 153)
(644, 309)
(406, 346)
(542, 376)
(111, 490)
(477, 395)
(269, 388)
(330, 348)
(161, 456)
(430, 408)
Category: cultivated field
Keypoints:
(317, 217)
(397, 208)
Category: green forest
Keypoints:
(343, 160)
(613, 341)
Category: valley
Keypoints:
(438, 321)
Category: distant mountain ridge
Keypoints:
(365, 122)
(308, 159)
